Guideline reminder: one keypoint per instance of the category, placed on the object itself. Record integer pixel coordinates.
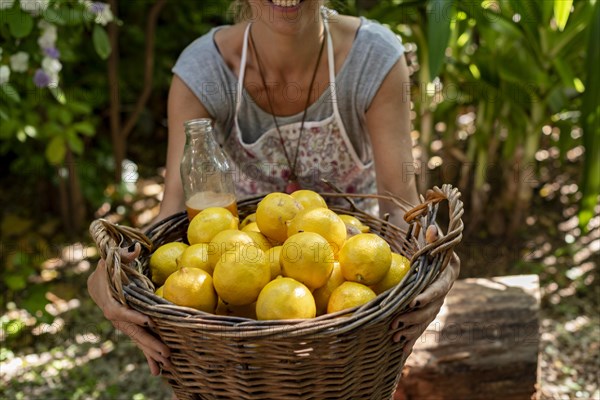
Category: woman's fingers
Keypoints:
(143, 338)
(415, 322)
(130, 253)
(441, 286)
(152, 364)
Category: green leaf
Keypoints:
(562, 10)
(590, 113)
(440, 16)
(15, 282)
(4, 115)
(565, 72)
(10, 92)
(85, 128)
(56, 150)
(20, 25)
(101, 42)
(57, 16)
(75, 142)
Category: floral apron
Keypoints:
(325, 151)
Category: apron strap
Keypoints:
(242, 72)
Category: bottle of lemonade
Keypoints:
(206, 171)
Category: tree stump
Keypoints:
(483, 344)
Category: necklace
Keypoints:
(292, 184)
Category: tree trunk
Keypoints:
(118, 142)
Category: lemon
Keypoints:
(159, 291)
(323, 293)
(348, 295)
(195, 256)
(285, 298)
(309, 199)
(260, 239)
(248, 220)
(273, 256)
(322, 221)
(308, 258)
(353, 221)
(399, 268)
(240, 275)
(208, 223)
(191, 287)
(272, 213)
(164, 261)
(227, 240)
(251, 227)
(365, 258)
(229, 310)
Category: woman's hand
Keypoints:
(128, 321)
(425, 307)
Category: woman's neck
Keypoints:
(288, 56)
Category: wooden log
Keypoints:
(483, 345)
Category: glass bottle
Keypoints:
(206, 171)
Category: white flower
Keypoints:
(48, 38)
(101, 11)
(19, 62)
(4, 4)
(4, 74)
(105, 16)
(51, 66)
(34, 6)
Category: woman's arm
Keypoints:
(183, 105)
(388, 123)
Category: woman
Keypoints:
(298, 93)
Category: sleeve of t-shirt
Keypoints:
(201, 68)
(381, 49)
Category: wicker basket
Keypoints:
(219, 357)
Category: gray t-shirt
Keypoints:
(374, 52)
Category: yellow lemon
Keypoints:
(195, 256)
(350, 220)
(159, 291)
(399, 268)
(251, 227)
(273, 212)
(248, 220)
(285, 298)
(229, 310)
(163, 261)
(191, 287)
(323, 293)
(307, 258)
(260, 239)
(348, 295)
(227, 240)
(273, 256)
(240, 275)
(209, 222)
(309, 199)
(365, 258)
(322, 221)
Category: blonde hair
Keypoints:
(241, 10)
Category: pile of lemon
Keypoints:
(294, 258)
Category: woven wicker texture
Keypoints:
(347, 355)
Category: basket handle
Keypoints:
(110, 239)
(424, 215)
